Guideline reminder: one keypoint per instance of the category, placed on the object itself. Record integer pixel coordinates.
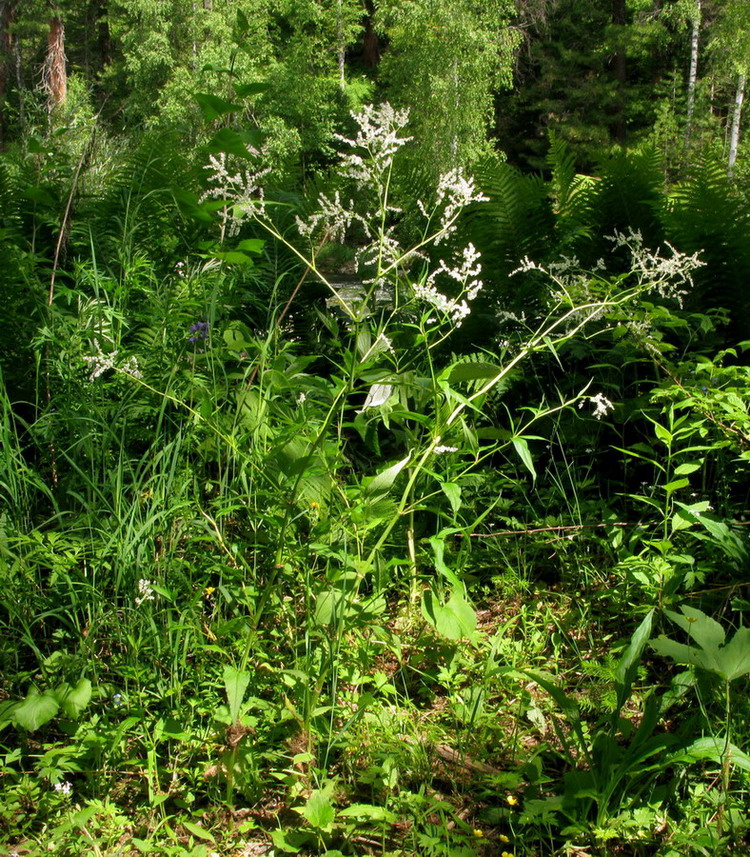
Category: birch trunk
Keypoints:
(6, 55)
(693, 73)
(342, 45)
(734, 136)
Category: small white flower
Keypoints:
(602, 405)
(439, 450)
(455, 191)
(64, 788)
(242, 191)
(302, 398)
(100, 363)
(145, 592)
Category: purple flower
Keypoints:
(199, 331)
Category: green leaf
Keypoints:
(319, 810)
(197, 830)
(235, 340)
(682, 654)
(287, 841)
(438, 546)
(706, 632)
(452, 491)
(36, 710)
(712, 749)
(214, 107)
(328, 606)
(252, 245)
(235, 684)
(233, 257)
(243, 24)
(74, 699)
(521, 446)
(687, 468)
(243, 90)
(729, 661)
(682, 520)
(382, 483)
(628, 665)
(455, 619)
(735, 656)
(663, 434)
(472, 372)
(369, 812)
(676, 485)
(243, 144)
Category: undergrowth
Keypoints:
(294, 562)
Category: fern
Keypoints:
(703, 214)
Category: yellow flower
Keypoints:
(503, 838)
(512, 800)
(507, 854)
(479, 834)
(209, 591)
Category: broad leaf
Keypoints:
(235, 684)
(243, 90)
(520, 444)
(36, 710)
(319, 810)
(243, 144)
(455, 619)
(452, 491)
(74, 699)
(382, 483)
(472, 372)
(628, 665)
(214, 107)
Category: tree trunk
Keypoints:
(734, 137)
(341, 45)
(370, 39)
(55, 74)
(6, 54)
(693, 73)
(618, 128)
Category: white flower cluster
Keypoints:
(454, 192)
(100, 363)
(602, 405)
(466, 272)
(526, 264)
(64, 788)
(378, 133)
(145, 592)
(668, 276)
(241, 190)
(335, 217)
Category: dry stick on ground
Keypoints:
(558, 528)
(448, 754)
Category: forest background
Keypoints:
(374, 427)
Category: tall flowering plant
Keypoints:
(426, 288)
(381, 260)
